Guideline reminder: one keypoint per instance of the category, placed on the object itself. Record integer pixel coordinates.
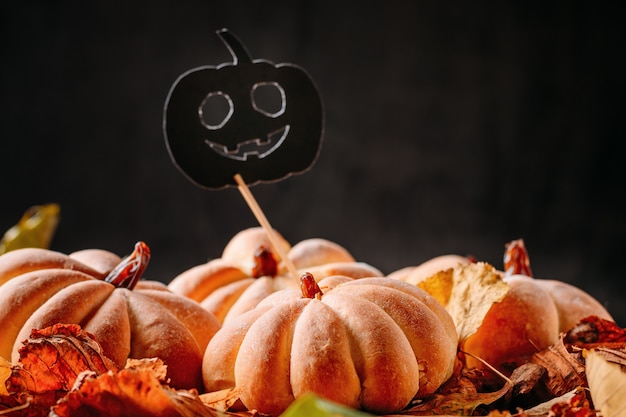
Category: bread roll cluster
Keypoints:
(364, 339)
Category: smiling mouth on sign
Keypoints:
(257, 147)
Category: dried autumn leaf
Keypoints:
(525, 379)
(565, 369)
(135, 391)
(35, 229)
(5, 373)
(613, 355)
(50, 362)
(462, 402)
(21, 406)
(463, 394)
(594, 331)
(467, 292)
(222, 400)
(545, 409)
(52, 358)
(607, 384)
(577, 406)
(152, 365)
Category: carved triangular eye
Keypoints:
(268, 98)
(215, 110)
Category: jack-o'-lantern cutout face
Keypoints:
(263, 110)
(253, 118)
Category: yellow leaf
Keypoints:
(467, 292)
(607, 384)
(35, 229)
(5, 373)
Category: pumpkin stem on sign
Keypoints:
(130, 269)
(235, 47)
(309, 287)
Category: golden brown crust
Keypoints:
(257, 291)
(149, 321)
(201, 280)
(157, 332)
(239, 251)
(218, 365)
(525, 321)
(220, 301)
(225, 287)
(146, 284)
(572, 303)
(530, 318)
(317, 251)
(425, 298)
(23, 295)
(426, 324)
(332, 281)
(351, 346)
(111, 327)
(348, 269)
(21, 261)
(402, 273)
(101, 260)
(202, 324)
(390, 380)
(319, 356)
(71, 305)
(264, 378)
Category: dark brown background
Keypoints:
(451, 127)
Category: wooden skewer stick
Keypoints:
(260, 216)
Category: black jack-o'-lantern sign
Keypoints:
(260, 120)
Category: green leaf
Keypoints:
(34, 230)
(310, 405)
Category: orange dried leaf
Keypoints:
(565, 370)
(52, 358)
(152, 365)
(222, 400)
(456, 403)
(577, 406)
(462, 396)
(130, 392)
(23, 405)
(593, 331)
(50, 361)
